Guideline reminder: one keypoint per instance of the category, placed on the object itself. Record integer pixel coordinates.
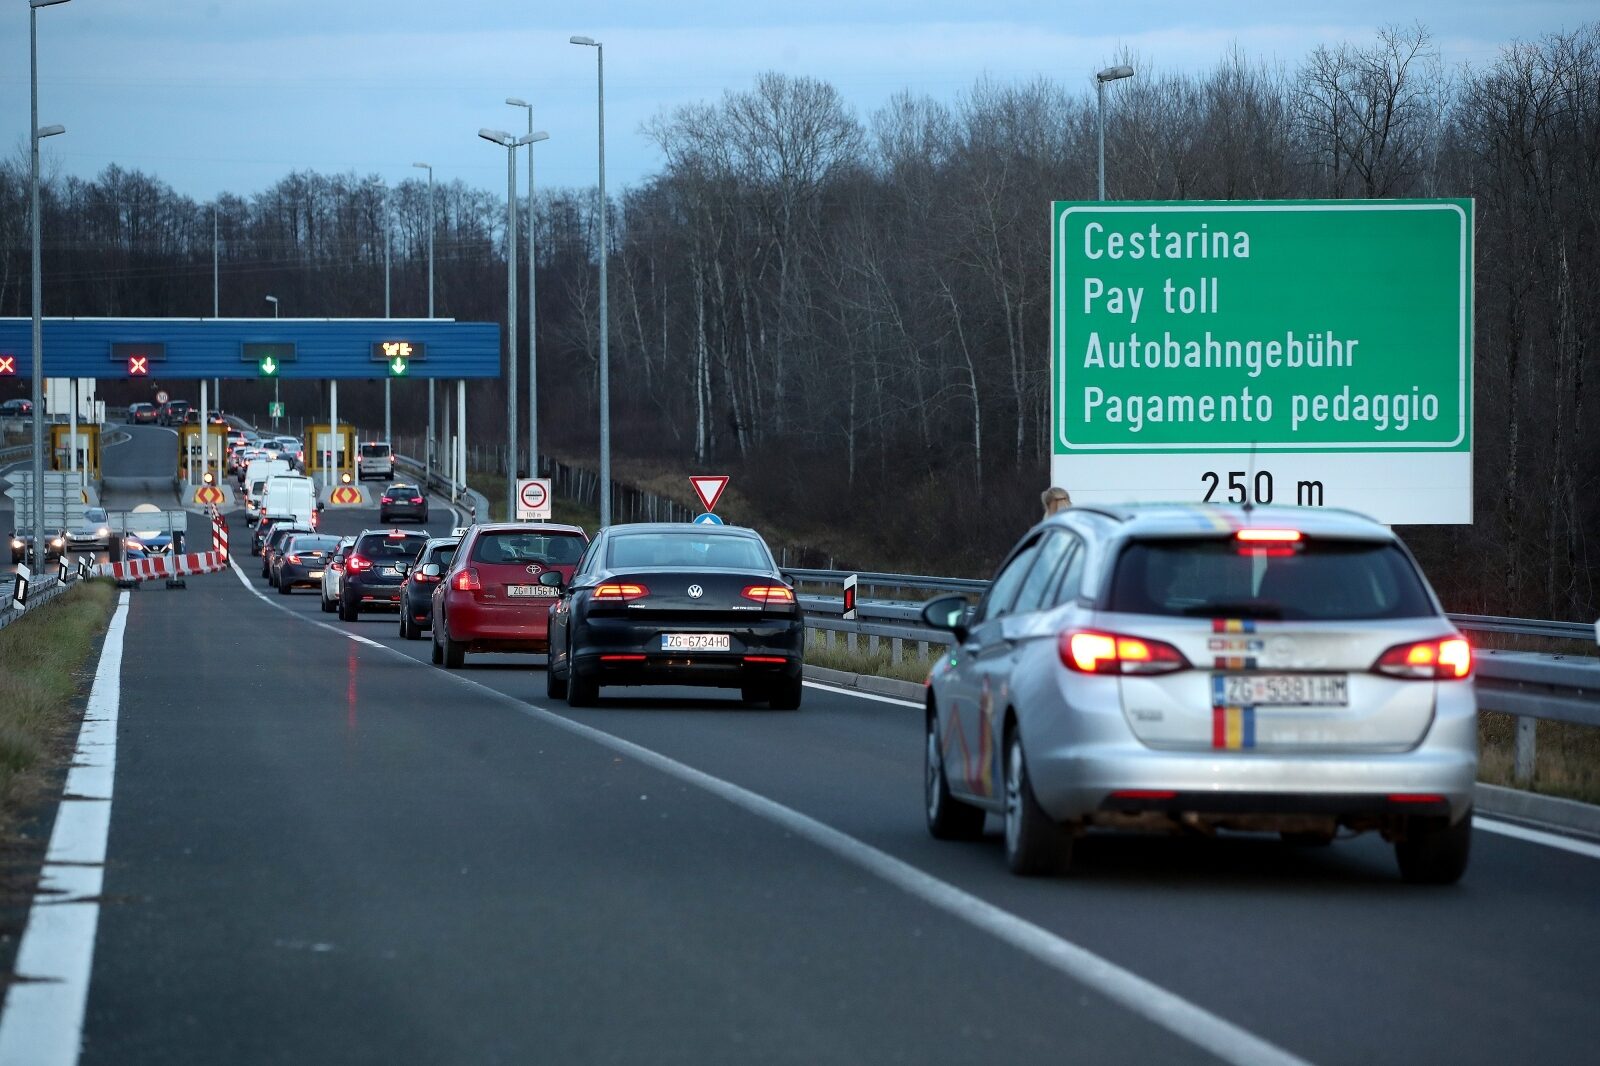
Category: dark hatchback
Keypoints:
(670, 604)
(272, 547)
(402, 501)
(375, 570)
(301, 562)
(416, 596)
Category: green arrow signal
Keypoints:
(269, 367)
(397, 366)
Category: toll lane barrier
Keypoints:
(164, 566)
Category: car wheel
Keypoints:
(1035, 843)
(327, 605)
(348, 611)
(408, 628)
(554, 687)
(948, 817)
(1433, 853)
(435, 654)
(785, 695)
(583, 689)
(284, 588)
(454, 652)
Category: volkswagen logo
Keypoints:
(695, 592)
(534, 568)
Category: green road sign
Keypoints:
(274, 409)
(269, 367)
(398, 367)
(1301, 352)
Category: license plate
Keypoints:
(316, 573)
(388, 570)
(694, 642)
(1280, 690)
(532, 592)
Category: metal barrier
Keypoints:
(41, 591)
(1527, 685)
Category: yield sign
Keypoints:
(709, 489)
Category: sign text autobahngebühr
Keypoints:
(1332, 339)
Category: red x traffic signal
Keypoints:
(138, 366)
(8, 366)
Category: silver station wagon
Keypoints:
(1188, 668)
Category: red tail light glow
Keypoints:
(337, 566)
(358, 564)
(1092, 652)
(294, 557)
(619, 592)
(387, 500)
(1268, 536)
(765, 659)
(467, 580)
(769, 594)
(1449, 659)
(416, 499)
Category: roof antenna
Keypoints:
(1250, 481)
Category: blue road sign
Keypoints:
(708, 519)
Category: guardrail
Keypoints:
(475, 502)
(40, 592)
(1530, 686)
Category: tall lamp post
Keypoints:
(273, 300)
(605, 359)
(510, 144)
(388, 381)
(35, 135)
(427, 457)
(533, 306)
(1100, 79)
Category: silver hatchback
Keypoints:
(1193, 668)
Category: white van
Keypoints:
(292, 494)
(256, 476)
(375, 459)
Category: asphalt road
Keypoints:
(325, 849)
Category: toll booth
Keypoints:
(189, 455)
(88, 446)
(323, 444)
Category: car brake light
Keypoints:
(416, 499)
(337, 566)
(1268, 536)
(619, 592)
(357, 564)
(769, 594)
(467, 580)
(294, 557)
(1092, 652)
(387, 500)
(1446, 660)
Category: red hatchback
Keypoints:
(491, 599)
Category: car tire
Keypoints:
(435, 653)
(785, 695)
(583, 689)
(348, 612)
(408, 628)
(1035, 843)
(554, 687)
(948, 817)
(1434, 854)
(283, 589)
(327, 604)
(453, 651)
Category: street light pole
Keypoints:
(511, 144)
(388, 381)
(273, 300)
(35, 135)
(605, 359)
(1100, 79)
(216, 291)
(427, 457)
(533, 306)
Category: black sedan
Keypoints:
(300, 563)
(669, 604)
(402, 501)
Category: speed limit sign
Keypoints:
(161, 397)
(533, 499)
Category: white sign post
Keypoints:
(533, 499)
(19, 591)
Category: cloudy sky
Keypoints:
(230, 95)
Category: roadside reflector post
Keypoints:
(850, 598)
(1522, 770)
(19, 590)
(896, 650)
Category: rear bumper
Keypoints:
(394, 510)
(626, 652)
(299, 578)
(499, 627)
(371, 594)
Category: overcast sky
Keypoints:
(230, 95)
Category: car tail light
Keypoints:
(765, 659)
(294, 557)
(416, 499)
(1427, 660)
(619, 592)
(467, 580)
(397, 534)
(769, 594)
(622, 658)
(337, 566)
(358, 564)
(1268, 536)
(419, 578)
(387, 500)
(1091, 652)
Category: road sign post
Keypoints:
(1297, 352)
(533, 499)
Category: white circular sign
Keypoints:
(161, 397)
(532, 495)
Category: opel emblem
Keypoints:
(695, 592)
(534, 568)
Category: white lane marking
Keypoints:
(42, 1023)
(1185, 1020)
(825, 687)
(1535, 836)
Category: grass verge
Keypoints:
(837, 655)
(1566, 757)
(45, 659)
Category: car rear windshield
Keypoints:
(690, 550)
(374, 451)
(384, 546)
(1319, 580)
(443, 554)
(521, 546)
(313, 544)
(402, 490)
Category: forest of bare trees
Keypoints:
(852, 309)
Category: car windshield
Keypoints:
(94, 514)
(402, 490)
(1322, 580)
(374, 451)
(526, 546)
(388, 546)
(724, 551)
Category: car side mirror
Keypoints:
(947, 613)
(321, 506)
(432, 570)
(551, 579)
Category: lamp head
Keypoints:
(49, 131)
(45, 3)
(1115, 73)
(517, 102)
(538, 136)
(590, 41)
(500, 137)
(423, 166)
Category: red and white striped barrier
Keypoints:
(171, 566)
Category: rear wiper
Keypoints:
(1235, 609)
